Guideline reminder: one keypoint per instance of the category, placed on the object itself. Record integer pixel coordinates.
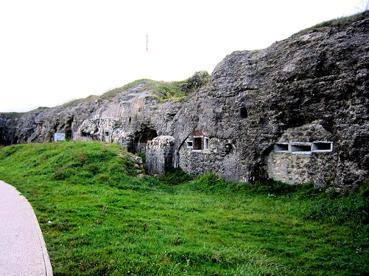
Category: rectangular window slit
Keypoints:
(322, 146)
(281, 147)
(301, 148)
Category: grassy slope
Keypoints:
(10, 115)
(343, 21)
(163, 91)
(98, 218)
(166, 91)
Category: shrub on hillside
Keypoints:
(195, 82)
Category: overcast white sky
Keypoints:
(55, 51)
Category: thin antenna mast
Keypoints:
(147, 42)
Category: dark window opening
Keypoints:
(301, 148)
(322, 146)
(190, 144)
(106, 133)
(197, 143)
(129, 120)
(281, 147)
(243, 112)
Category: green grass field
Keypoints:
(98, 218)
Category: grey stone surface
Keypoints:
(159, 155)
(320, 74)
(314, 84)
(22, 247)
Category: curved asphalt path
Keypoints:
(22, 246)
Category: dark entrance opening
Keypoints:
(68, 129)
(68, 134)
(243, 112)
(140, 138)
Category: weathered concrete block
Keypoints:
(159, 154)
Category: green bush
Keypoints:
(193, 83)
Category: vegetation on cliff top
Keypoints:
(98, 218)
(339, 22)
(163, 91)
(90, 98)
(11, 115)
(166, 91)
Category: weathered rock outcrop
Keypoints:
(8, 124)
(307, 95)
(255, 97)
(131, 117)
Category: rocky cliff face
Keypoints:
(307, 95)
(131, 117)
(316, 79)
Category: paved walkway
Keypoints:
(22, 246)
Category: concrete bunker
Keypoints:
(300, 162)
(198, 153)
(159, 154)
(303, 155)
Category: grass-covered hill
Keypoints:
(98, 218)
